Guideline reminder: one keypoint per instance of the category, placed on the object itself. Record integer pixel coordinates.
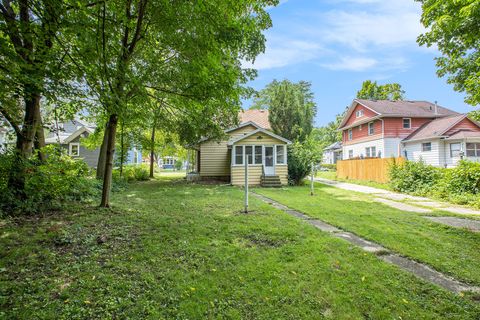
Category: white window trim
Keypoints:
(70, 149)
(373, 128)
(253, 155)
(460, 150)
(424, 143)
(284, 155)
(359, 113)
(409, 123)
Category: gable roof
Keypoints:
(437, 128)
(64, 138)
(271, 134)
(260, 117)
(334, 146)
(405, 108)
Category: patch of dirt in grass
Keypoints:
(263, 241)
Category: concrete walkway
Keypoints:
(415, 204)
(418, 269)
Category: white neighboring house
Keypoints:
(332, 153)
(3, 139)
(411, 129)
(444, 142)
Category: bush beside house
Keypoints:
(459, 185)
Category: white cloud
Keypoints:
(352, 64)
(281, 52)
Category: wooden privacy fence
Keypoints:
(373, 169)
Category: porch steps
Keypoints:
(270, 181)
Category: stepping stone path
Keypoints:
(472, 225)
(418, 269)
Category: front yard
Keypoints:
(172, 250)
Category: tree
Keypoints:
(328, 134)
(453, 26)
(291, 107)
(30, 65)
(189, 51)
(373, 91)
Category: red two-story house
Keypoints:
(416, 130)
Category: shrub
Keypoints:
(329, 167)
(178, 165)
(414, 177)
(300, 159)
(131, 173)
(47, 185)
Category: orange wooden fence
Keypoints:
(373, 169)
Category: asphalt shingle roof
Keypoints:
(435, 128)
(406, 108)
(260, 117)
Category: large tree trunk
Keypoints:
(102, 157)
(122, 150)
(40, 136)
(107, 178)
(24, 145)
(152, 151)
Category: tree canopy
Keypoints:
(373, 91)
(292, 108)
(453, 27)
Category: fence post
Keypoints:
(246, 184)
(311, 180)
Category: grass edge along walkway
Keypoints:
(418, 269)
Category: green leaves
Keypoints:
(373, 91)
(453, 27)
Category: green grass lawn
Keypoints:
(450, 250)
(332, 175)
(168, 250)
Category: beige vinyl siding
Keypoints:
(255, 174)
(214, 159)
(253, 140)
(282, 172)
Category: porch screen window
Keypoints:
(258, 154)
(371, 128)
(427, 146)
(280, 155)
(473, 149)
(249, 154)
(238, 154)
(455, 149)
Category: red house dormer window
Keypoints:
(359, 113)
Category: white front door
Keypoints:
(269, 163)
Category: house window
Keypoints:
(473, 149)
(249, 154)
(371, 152)
(407, 123)
(350, 154)
(427, 146)
(359, 113)
(455, 149)
(280, 154)
(74, 149)
(258, 154)
(238, 154)
(371, 128)
(349, 134)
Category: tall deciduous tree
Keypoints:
(29, 64)
(291, 107)
(453, 26)
(373, 91)
(190, 51)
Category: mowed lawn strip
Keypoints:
(170, 250)
(450, 250)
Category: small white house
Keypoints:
(332, 153)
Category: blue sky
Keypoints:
(337, 44)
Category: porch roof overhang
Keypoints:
(259, 130)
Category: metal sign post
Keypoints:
(246, 184)
(311, 180)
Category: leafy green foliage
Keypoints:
(328, 134)
(453, 28)
(131, 173)
(178, 165)
(301, 157)
(373, 91)
(458, 185)
(48, 185)
(292, 108)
